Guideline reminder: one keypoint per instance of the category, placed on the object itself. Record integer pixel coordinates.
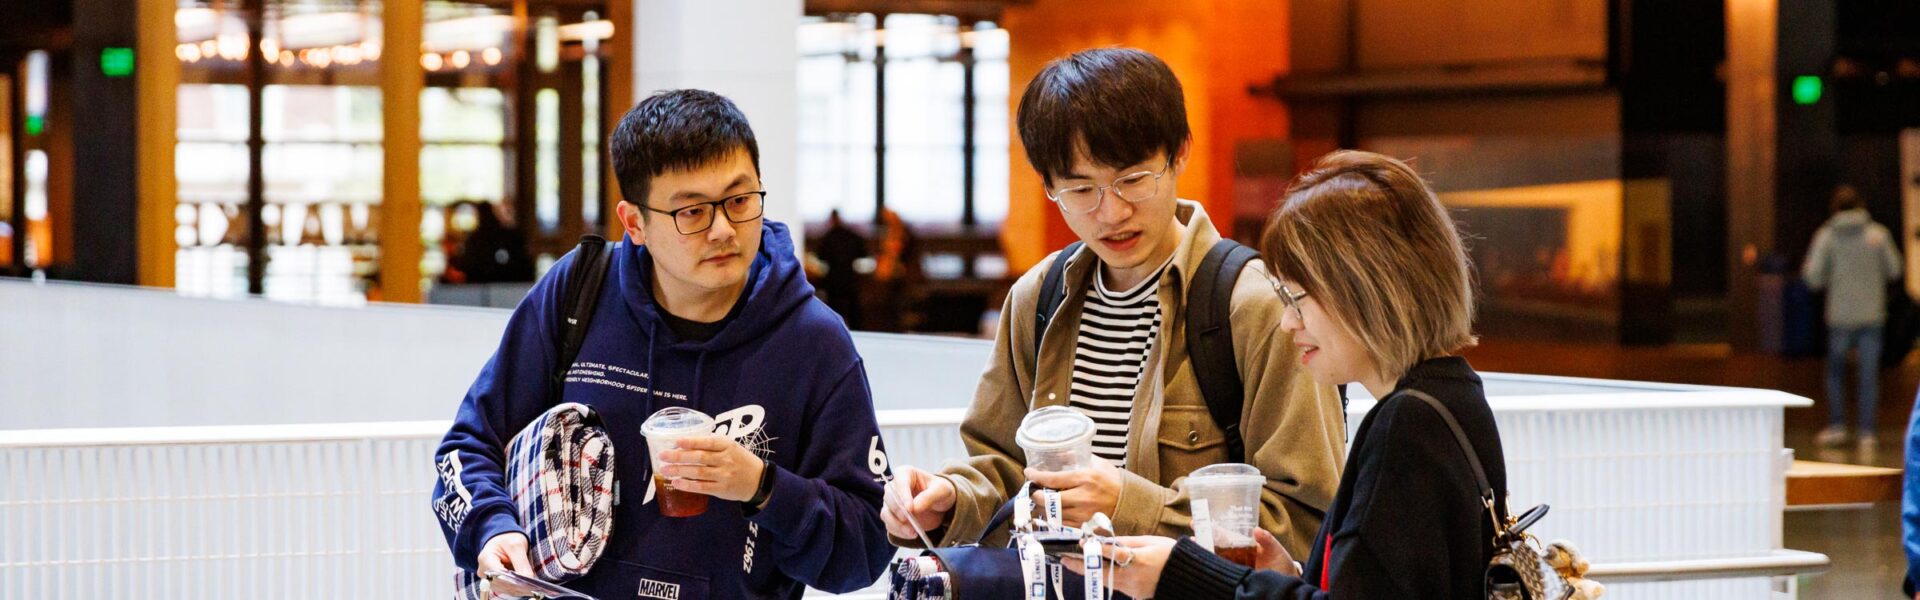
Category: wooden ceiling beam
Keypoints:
(983, 10)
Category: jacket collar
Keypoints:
(1196, 235)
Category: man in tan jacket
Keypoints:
(1107, 131)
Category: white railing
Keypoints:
(1672, 487)
(264, 511)
(322, 511)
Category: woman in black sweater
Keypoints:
(1378, 291)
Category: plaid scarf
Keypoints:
(560, 474)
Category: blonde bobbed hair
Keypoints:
(1366, 237)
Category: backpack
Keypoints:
(590, 264)
(1209, 336)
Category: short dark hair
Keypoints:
(1119, 105)
(1845, 198)
(676, 130)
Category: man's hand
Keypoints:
(1272, 556)
(928, 498)
(506, 552)
(1082, 492)
(713, 465)
(1135, 563)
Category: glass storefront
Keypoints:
(317, 144)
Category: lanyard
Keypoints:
(1090, 553)
(1023, 509)
(1051, 498)
(1032, 572)
(922, 578)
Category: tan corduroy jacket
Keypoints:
(1294, 429)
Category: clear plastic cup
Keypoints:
(665, 427)
(1225, 500)
(1056, 438)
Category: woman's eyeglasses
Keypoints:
(1291, 298)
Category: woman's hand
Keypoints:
(1272, 556)
(1134, 562)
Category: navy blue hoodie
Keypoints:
(782, 378)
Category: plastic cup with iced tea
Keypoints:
(662, 430)
(1225, 500)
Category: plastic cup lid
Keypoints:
(1054, 427)
(1226, 474)
(677, 421)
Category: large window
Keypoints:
(917, 67)
(465, 147)
(26, 217)
(318, 138)
(38, 194)
(510, 130)
(508, 125)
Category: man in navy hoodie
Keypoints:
(704, 306)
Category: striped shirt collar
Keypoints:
(1129, 296)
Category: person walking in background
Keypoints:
(1852, 259)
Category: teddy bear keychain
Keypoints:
(1572, 567)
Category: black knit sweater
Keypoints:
(1408, 521)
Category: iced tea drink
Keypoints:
(1244, 555)
(663, 430)
(675, 503)
(1225, 499)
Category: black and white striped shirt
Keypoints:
(1117, 330)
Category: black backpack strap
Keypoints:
(1466, 445)
(1210, 338)
(1053, 291)
(590, 263)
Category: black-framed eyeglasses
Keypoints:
(1291, 299)
(697, 218)
(1135, 187)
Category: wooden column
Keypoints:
(1752, 38)
(157, 85)
(256, 207)
(401, 79)
(618, 86)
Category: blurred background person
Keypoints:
(1852, 259)
(840, 247)
(896, 271)
(494, 252)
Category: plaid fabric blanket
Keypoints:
(560, 474)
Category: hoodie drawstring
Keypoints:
(699, 364)
(653, 378)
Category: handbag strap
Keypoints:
(1466, 447)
